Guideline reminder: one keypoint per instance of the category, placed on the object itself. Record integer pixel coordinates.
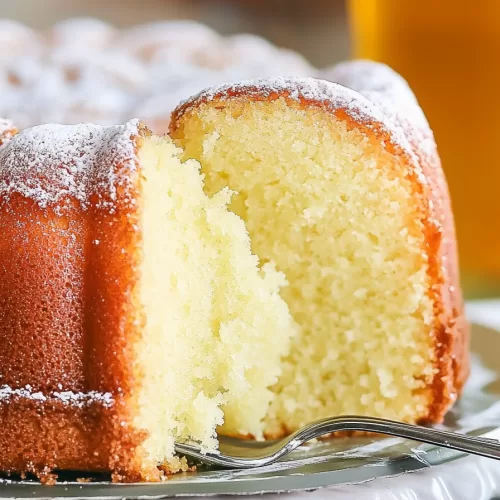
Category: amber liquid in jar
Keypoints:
(449, 51)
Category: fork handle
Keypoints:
(468, 444)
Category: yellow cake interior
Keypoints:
(336, 213)
(216, 326)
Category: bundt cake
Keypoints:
(136, 309)
(343, 191)
(132, 311)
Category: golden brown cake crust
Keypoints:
(69, 209)
(408, 136)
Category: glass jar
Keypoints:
(449, 51)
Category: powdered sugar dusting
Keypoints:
(391, 93)
(77, 399)
(56, 164)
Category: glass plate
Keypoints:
(337, 461)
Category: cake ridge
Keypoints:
(78, 399)
(388, 90)
(296, 87)
(83, 154)
(331, 94)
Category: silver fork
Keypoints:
(242, 457)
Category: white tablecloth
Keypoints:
(470, 478)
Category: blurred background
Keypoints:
(448, 51)
(316, 28)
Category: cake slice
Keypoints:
(345, 194)
(132, 311)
